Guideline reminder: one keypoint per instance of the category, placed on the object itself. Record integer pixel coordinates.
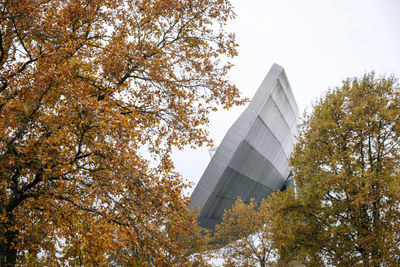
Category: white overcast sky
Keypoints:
(318, 42)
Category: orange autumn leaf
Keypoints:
(86, 86)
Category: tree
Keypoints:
(246, 235)
(345, 209)
(86, 88)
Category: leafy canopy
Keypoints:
(346, 206)
(85, 87)
(245, 232)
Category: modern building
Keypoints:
(252, 159)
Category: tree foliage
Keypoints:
(246, 235)
(85, 87)
(345, 210)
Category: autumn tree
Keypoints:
(345, 210)
(245, 235)
(87, 87)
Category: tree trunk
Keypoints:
(8, 253)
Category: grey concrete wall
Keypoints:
(252, 159)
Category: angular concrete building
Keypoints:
(252, 159)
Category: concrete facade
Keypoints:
(252, 159)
